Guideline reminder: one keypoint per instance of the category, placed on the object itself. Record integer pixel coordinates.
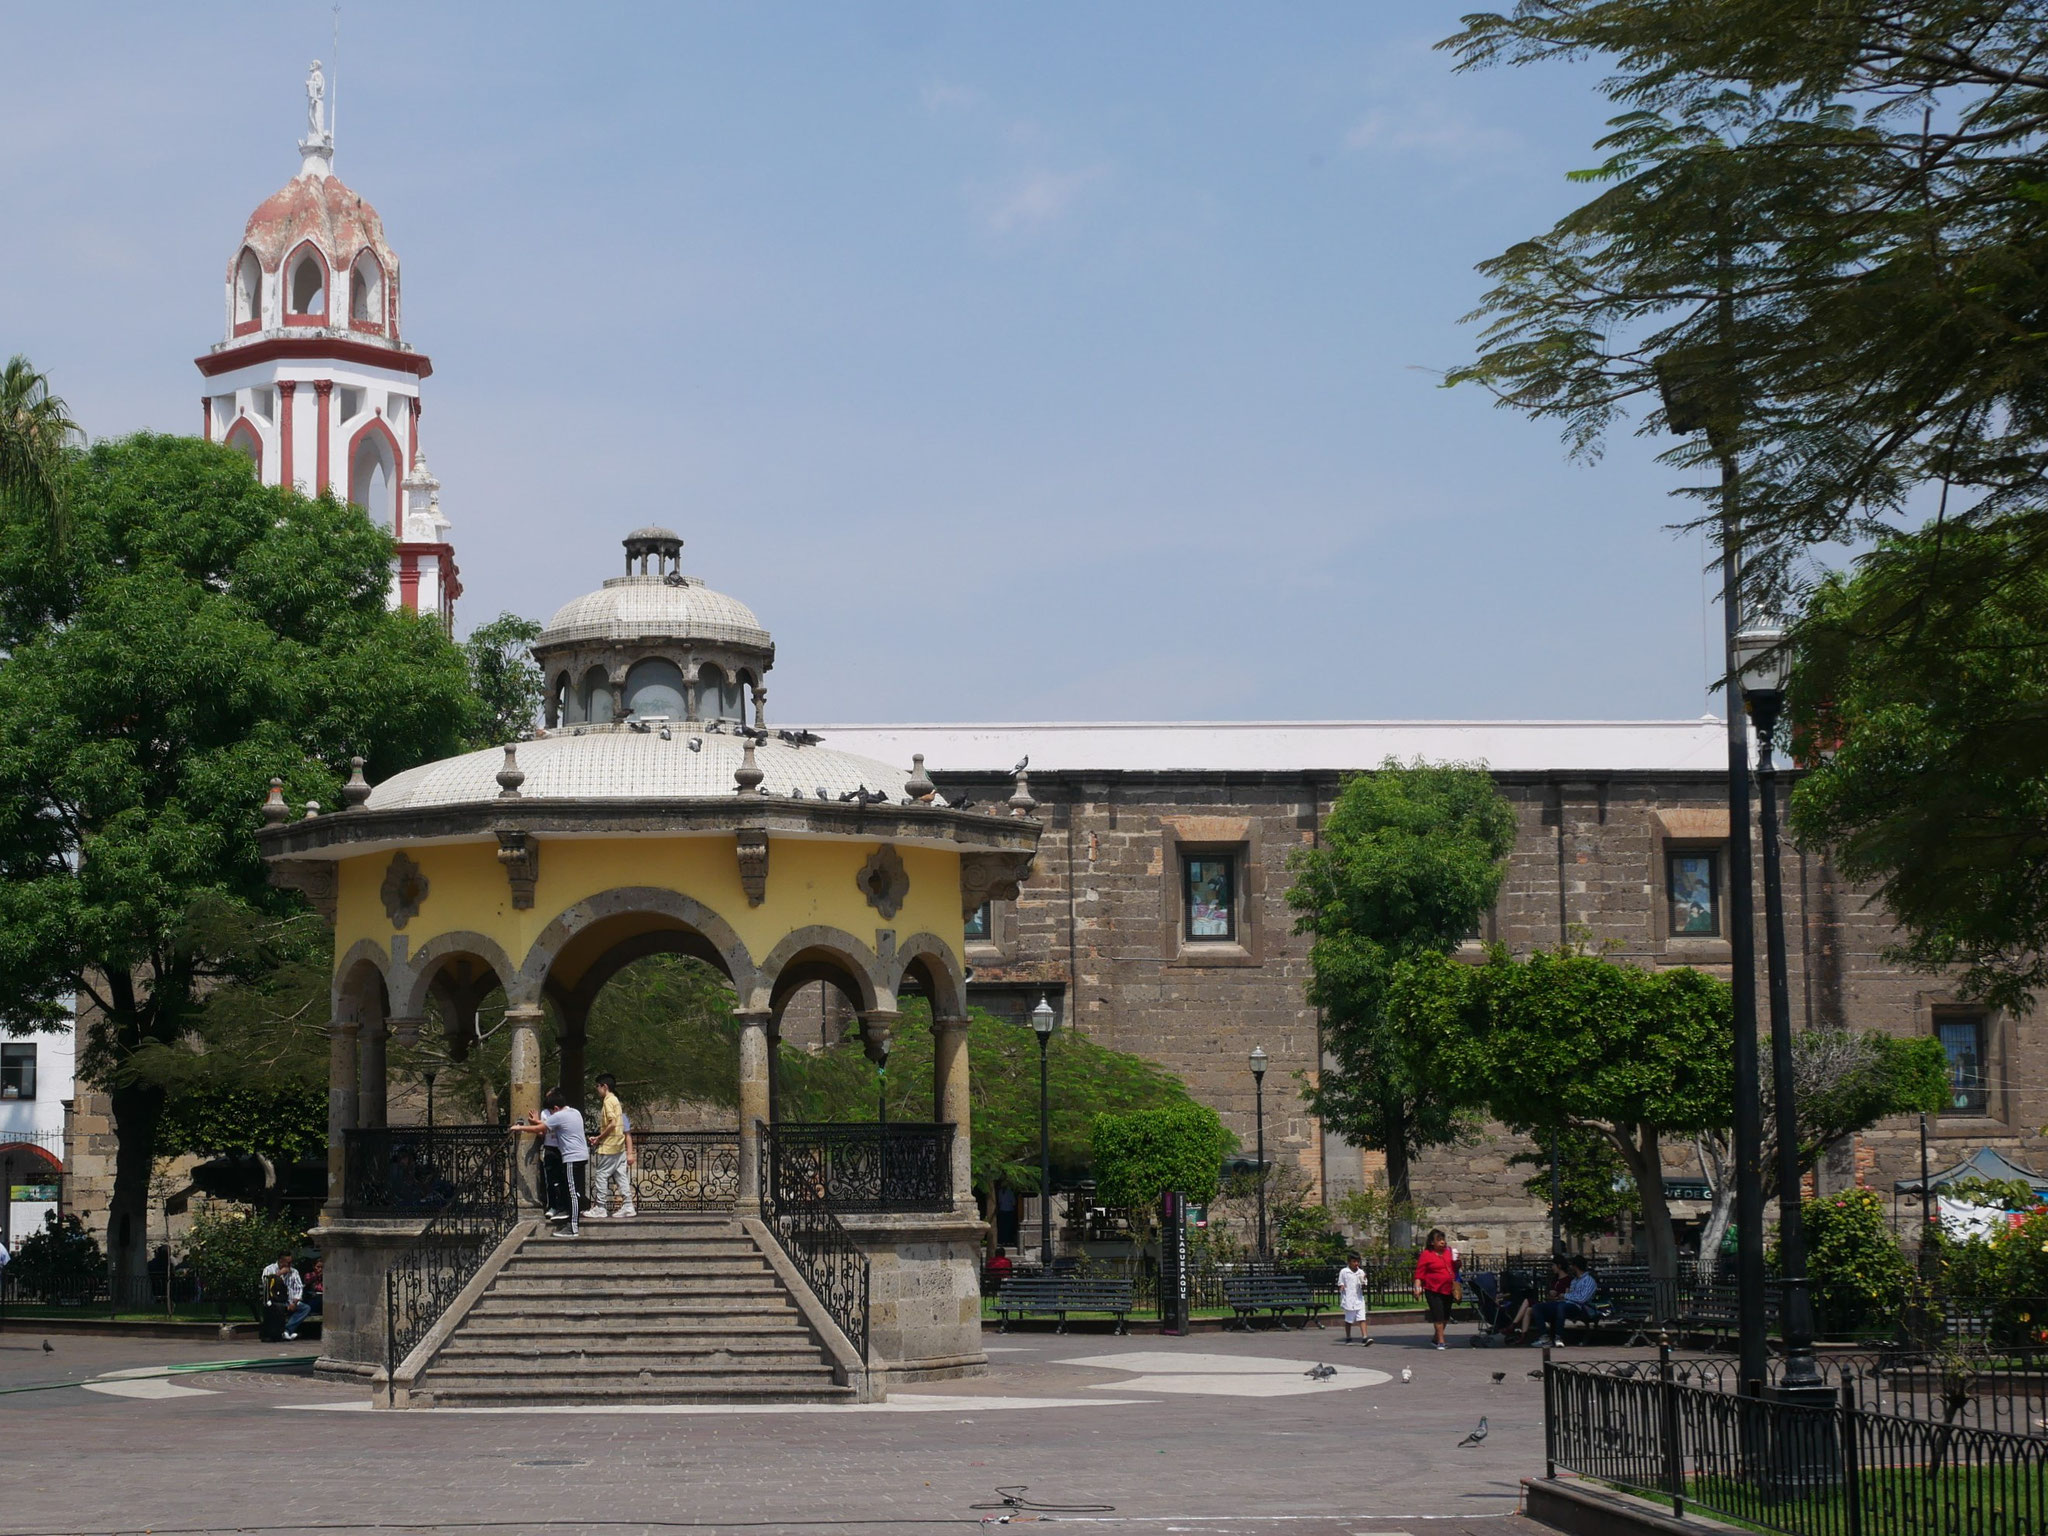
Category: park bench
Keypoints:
(1056, 1296)
(1275, 1295)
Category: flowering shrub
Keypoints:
(1861, 1277)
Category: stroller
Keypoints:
(1498, 1299)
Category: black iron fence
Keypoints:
(832, 1264)
(473, 1217)
(1830, 1468)
(686, 1170)
(405, 1170)
(896, 1167)
(1205, 1281)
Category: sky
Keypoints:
(1049, 362)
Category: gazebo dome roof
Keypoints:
(324, 210)
(629, 608)
(612, 764)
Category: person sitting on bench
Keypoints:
(1547, 1318)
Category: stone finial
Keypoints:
(1021, 803)
(357, 790)
(748, 775)
(312, 810)
(275, 811)
(511, 776)
(919, 786)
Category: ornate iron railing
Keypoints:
(424, 1280)
(686, 1170)
(1794, 1467)
(897, 1167)
(832, 1264)
(403, 1170)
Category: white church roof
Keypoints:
(1292, 746)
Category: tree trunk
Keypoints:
(1715, 1165)
(138, 1110)
(1638, 1147)
(1394, 1139)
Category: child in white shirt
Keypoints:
(1351, 1295)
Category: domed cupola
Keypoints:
(653, 644)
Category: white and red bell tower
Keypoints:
(313, 379)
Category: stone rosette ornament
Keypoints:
(884, 880)
(404, 890)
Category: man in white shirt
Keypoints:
(293, 1286)
(560, 1125)
(1351, 1296)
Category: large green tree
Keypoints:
(508, 684)
(1571, 1042)
(36, 429)
(1407, 866)
(195, 634)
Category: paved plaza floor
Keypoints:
(1212, 1434)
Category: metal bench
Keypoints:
(1056, 1296)
(1275, 1295)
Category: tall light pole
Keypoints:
(1042, 1021)
(1765, 666)
(1259, 1087)
(1699, 396)
(430, 1074)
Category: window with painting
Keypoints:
(981, 925)
(1209, 893)
(1962, 1037)
(1693, 886)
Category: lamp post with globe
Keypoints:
(1042, 1021)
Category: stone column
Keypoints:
(950, 1104)
(341, 1109)
(324, 438)
(875, 1024)
(753, 1099)
(525, 1097)
(775, 1071)
(370, 1099)
(286, 390)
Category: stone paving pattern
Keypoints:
(281, 1451)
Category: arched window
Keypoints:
(248, 290)
(655, 687)
(563, 705)
(366, 291)
(718, 696)
(373, 477)
(306, 286)
(243, 436)
(596, 697)
(742, 690)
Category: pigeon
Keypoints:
(696, 743)
(821, 792)
(665, 735)
(1477, 1435)
(1499, 1377)
(47, 1349)
(1535, 1375)
(1022, 763)
(960, 805)
(637, 725)
(800, 738)
(714, 728)
(1320, 1372)
(1406, 1374)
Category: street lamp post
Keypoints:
(1042, 1022)
(882, 1085)
(1259, 1086)
(1764, 665)
(430, 1074)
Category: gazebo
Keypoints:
(650, 815)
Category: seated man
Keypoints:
(284, 1292)
(1547, 1318)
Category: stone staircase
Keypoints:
(652, 1310)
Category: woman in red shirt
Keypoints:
(1436, 1281)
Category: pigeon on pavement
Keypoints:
(1320, 1372)
(47, 1349)
(1406, 1374)
(1499, 1377)
(1477, 1435)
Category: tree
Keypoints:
(508, 685)
(35, 431)
(1595, 1190)
(1575, 1043)
(1408, 864)
(197, 634)
(1143, 1155)
(1842, 1083)
(1825, 221)
(1926, 672)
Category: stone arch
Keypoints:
(820, 953)
(534, 976)
(432, 956)
(352, 973)
(308, 285)
(937, 967)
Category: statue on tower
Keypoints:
(316, 97)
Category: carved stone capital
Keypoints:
(884, 880)
(520, 854)
(992, 876)
(753, 852)
(312, 878)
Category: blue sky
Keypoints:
(1047, 362)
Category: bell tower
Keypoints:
(313, 378)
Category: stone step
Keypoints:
(781, 1333)
(642, 1246)
(573, 1258)
(462, 1392)
(610, 1286)
(644, 1351)
(686, 1370)
(623, 1311)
